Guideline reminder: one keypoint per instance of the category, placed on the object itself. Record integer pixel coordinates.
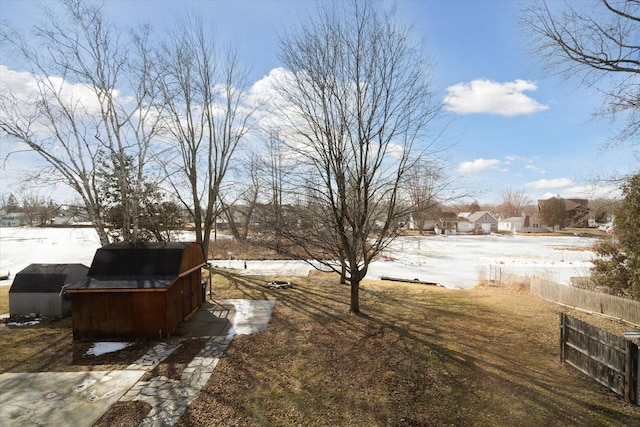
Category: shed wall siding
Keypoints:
(102, 315)
(42, 304)
(149, 309)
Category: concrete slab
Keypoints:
(211, 319)
(61, 398)
(227, 317)
(81, 398)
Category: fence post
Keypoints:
(631, 372)
(562, 322)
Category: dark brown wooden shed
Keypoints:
(141, 290)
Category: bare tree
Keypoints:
(240, 211)
(77, 117)
(39, 209)
(276, 173)
(514, 202)
(603, 208)
(594, 40)
(553, 212)
(9, 203)
(206, 119)
(429, 188)
(355, 102)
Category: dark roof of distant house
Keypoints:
(572, 204)
(47, 278)
(569, 204)
(447, 215)
(138, 259)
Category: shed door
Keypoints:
(486, 227)
(189, 285)
(193, 282)
(186, 297)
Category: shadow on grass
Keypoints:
(416, 356)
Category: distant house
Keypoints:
(577, 212)
(39, 289)
(14, 219)
(438, 220)
(70, 216)
(447, 223)
(141, 290)
(520, 224)
(481, 222)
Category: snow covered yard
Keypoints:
(459, 261)
(21, 246)
(453, 261)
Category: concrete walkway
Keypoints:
(80, 398)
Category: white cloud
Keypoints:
(543, 184)
(487, 96)
(510, 159)
(28, 88)
(478, 165)
(535, 169)
(396, 150)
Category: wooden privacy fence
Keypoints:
(609, 359)
(621, 308)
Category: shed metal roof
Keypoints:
(47, 278)
(138, 259)
(102, 283)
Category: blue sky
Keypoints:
(508, 124)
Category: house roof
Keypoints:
(47, 278)
(569, 204)
(477, 215)
(138, 259)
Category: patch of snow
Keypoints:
(250, 316)
(100, 348)
(29, 323)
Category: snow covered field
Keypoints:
(453, 261)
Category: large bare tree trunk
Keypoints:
(355, 101)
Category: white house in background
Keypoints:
(481, 222)
(520, 224)
(14, 219)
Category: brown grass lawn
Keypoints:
(418, 356)
(4, 299)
